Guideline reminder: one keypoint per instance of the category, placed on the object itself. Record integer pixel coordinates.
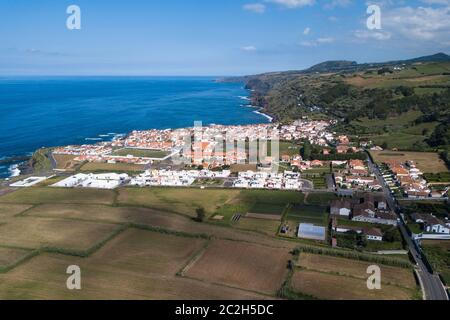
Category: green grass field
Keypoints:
(427, 162)
(181, 200)
(271, 196)
(322, 199)
(441, 177)
(438, 254)
(398, 132)
(142, 153)
(317, 215)
(112, 167)
(38, 195)
(267, 208)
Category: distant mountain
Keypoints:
(328, 66)
(352, 66)
(340, 66)
(438, 57)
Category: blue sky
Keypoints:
(212, 37)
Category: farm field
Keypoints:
(257, 268)
(308, 214)
(266, 209)
(257, 203)
(396, 132)
(351, 268)
(398, 80)
(269, 227)
(10, 210)
(184, 201)
(152, 218)
(37, 195)
(438, 254)
(322, 199)
(9, 256)
(270, 196)
(112, 167)
(398, 139)
(135, 265)
(34, 233)
(427, 162)
(329, 286)
(142, 153)
(65, 162)
(135, 246)
(437, 178)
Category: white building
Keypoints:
(97, 181)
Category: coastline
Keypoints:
(268, 117)
(14, 168)
(260, 110)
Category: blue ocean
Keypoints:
(40, 112)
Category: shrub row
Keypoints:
(354, 255)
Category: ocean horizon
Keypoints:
(50, 111)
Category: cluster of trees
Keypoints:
(440, 136)
(314, 152)
(340, 157)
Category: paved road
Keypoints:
(431, 284)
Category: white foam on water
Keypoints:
(264, 115)
(14, 170)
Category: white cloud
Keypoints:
(372, 35)
(337, 3)
(443, 2)
(317, 42)
(333, 19)
(249, 48)
(307, 31)
(255, 7)
(430, 24)
(291, 4)
(325, 40)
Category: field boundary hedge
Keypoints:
(354, 256)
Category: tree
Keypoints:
(201, 214)
(306, 150)
(392, 235)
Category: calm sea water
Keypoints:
(44, 112)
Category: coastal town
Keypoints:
(241, 157)
(320, 187)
